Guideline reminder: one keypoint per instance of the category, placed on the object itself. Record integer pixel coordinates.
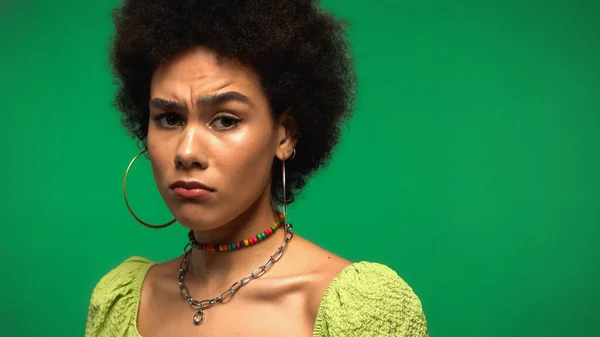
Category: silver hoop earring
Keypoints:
(284, 194)
(284, 206)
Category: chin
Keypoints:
(196, 219)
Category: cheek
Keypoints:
(248, 166)
(160, 160)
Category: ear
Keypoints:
(287, 135)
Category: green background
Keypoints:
(471, 166)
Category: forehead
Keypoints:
(201, 70)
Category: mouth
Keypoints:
(191, 189)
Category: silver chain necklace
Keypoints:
(200, 306)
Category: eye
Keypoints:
(169, 120)
(225, 122)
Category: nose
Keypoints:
(190, 151)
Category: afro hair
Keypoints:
(300, 53)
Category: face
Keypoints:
(211, 138)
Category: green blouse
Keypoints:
(365, 299)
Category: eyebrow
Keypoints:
(224, 97)
(211, 99)
(165, 104)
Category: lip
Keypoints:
(190, 188)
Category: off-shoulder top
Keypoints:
(365, 299)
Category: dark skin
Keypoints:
(210, 123)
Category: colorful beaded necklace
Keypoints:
(236, 245)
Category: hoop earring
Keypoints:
(127, 202)
(284, 208)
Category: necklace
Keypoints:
(240, 244)
(202, 305)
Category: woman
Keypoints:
(236, 104)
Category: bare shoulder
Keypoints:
(320, 267)
(156, 290)
(160, 278)
(309, 257)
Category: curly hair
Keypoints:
(300, 53)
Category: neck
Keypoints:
(214, 271)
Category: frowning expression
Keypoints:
(211, 138)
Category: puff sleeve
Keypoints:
(115, 299)
(370, 299)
